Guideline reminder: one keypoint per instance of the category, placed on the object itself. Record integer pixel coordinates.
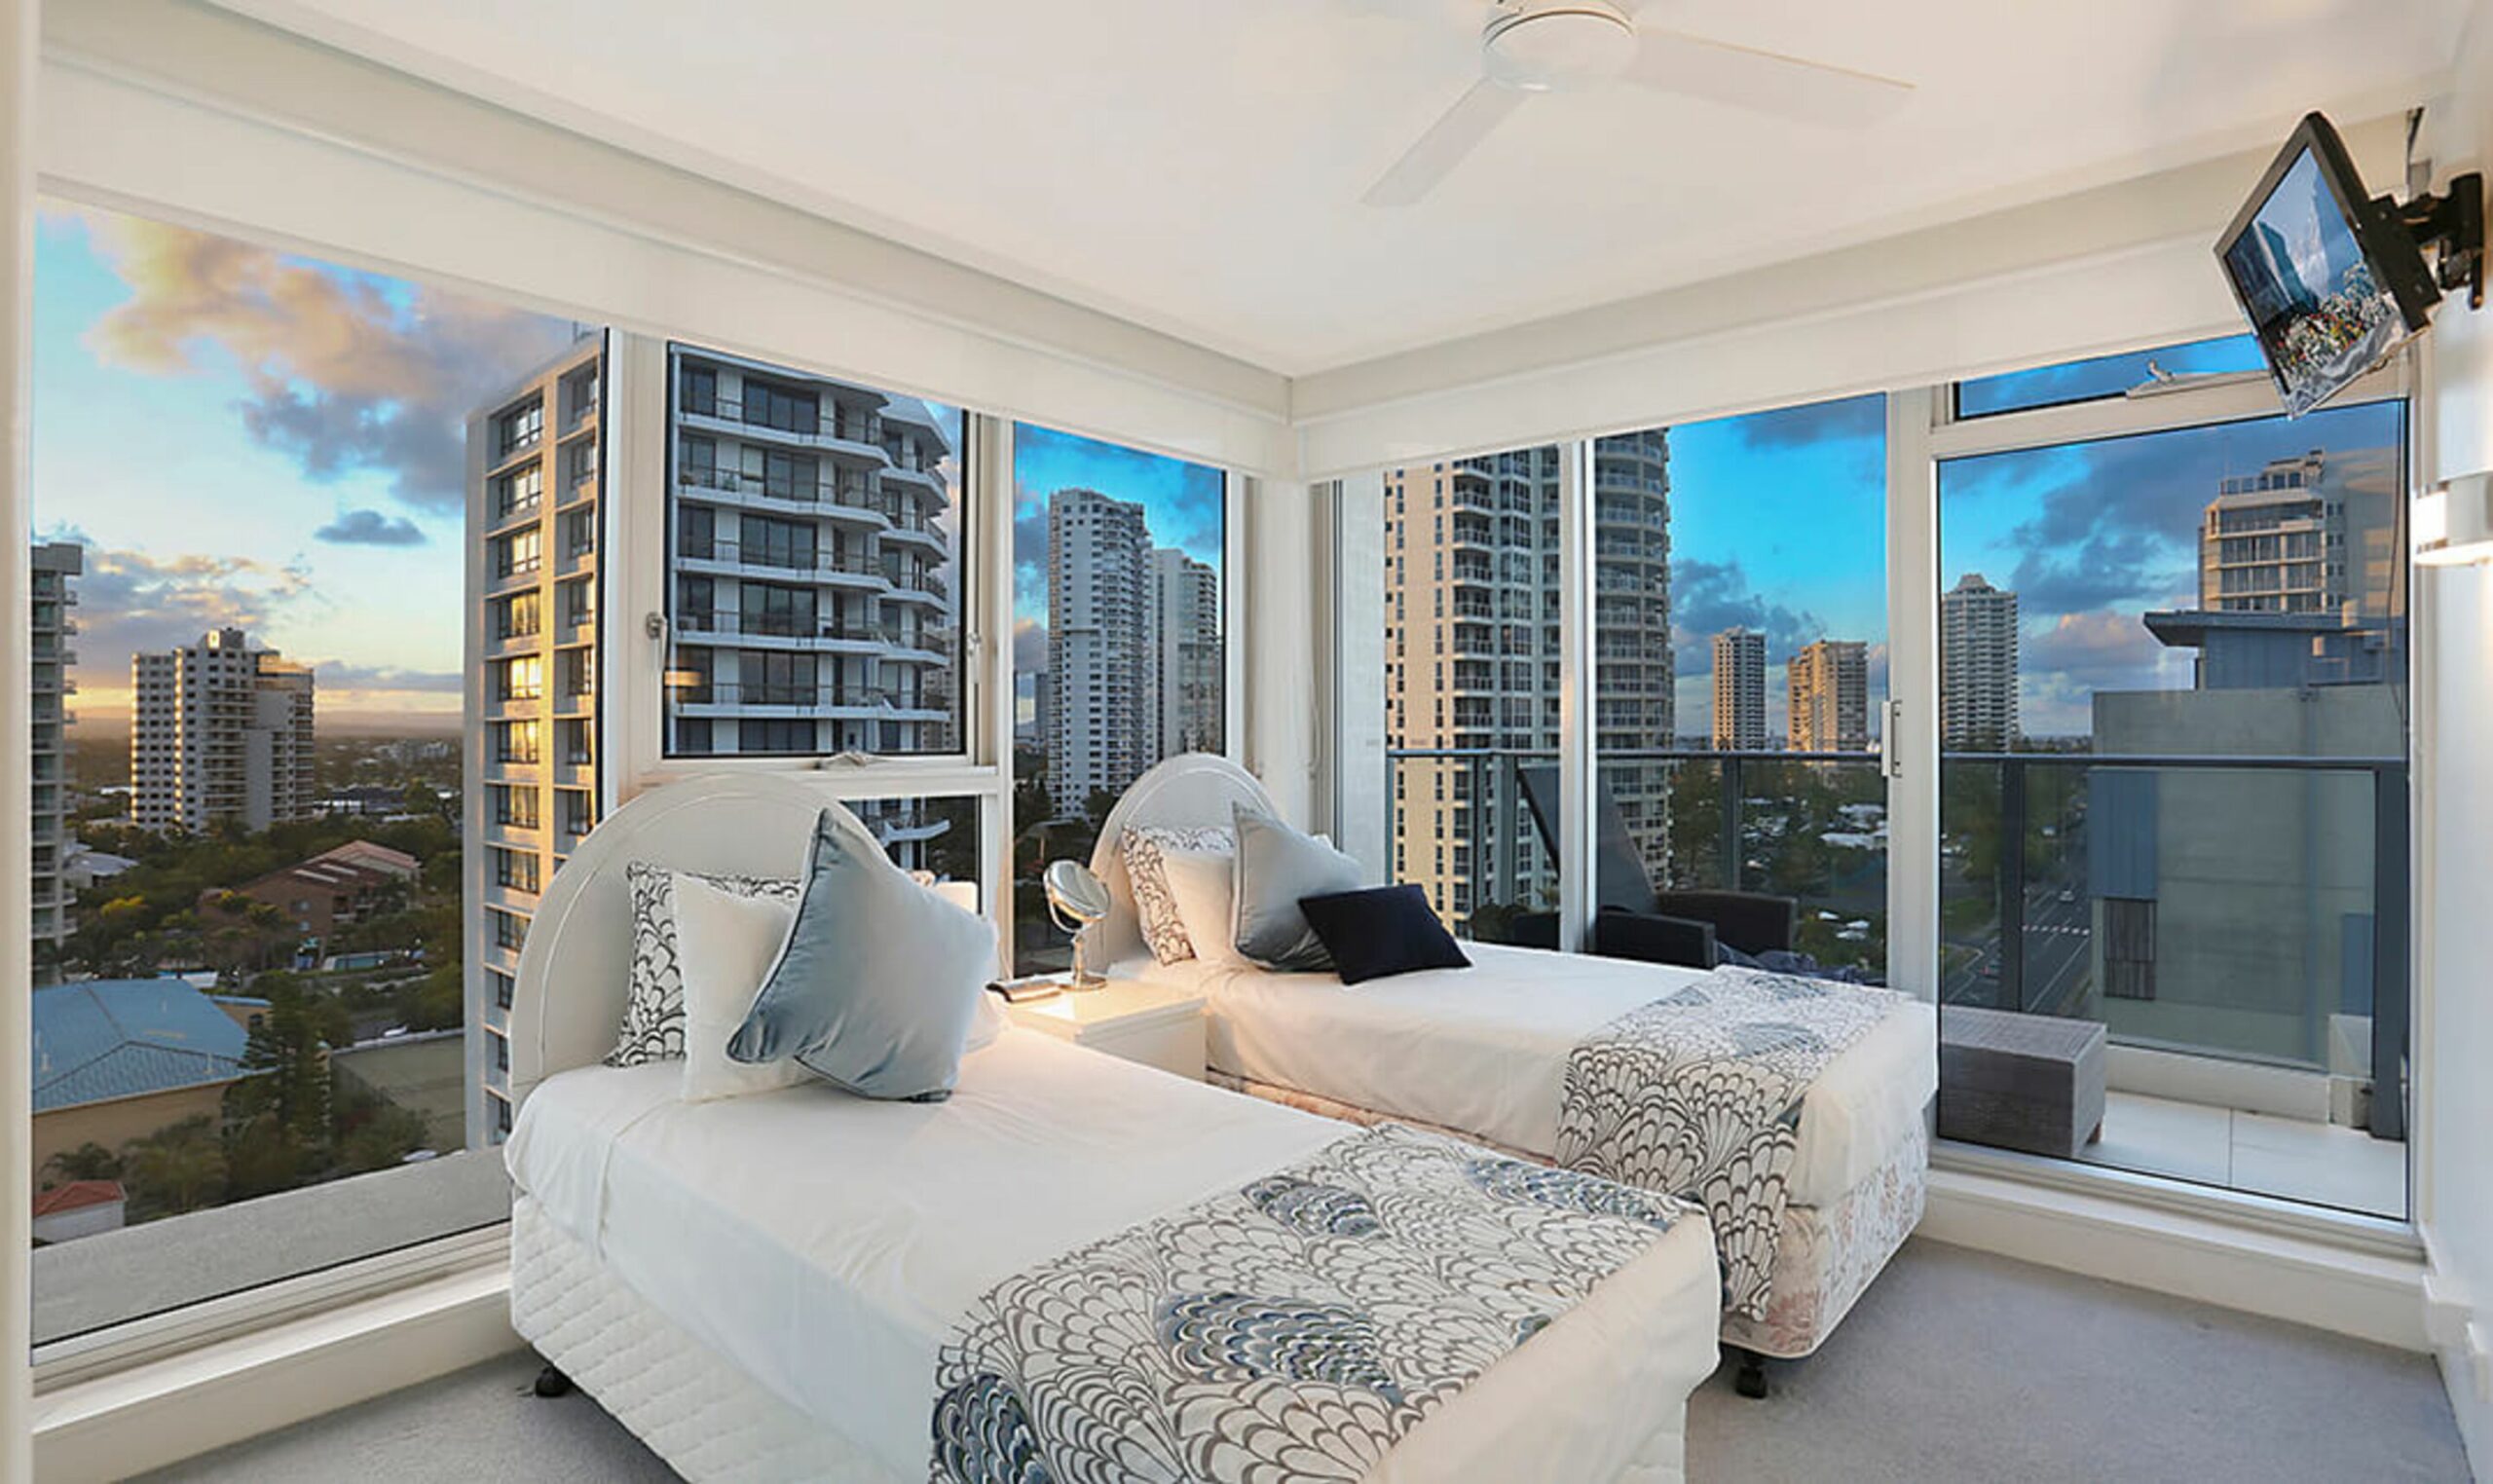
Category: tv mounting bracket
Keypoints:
(2453, 220)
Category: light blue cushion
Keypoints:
(1276, 866)
(878, 983)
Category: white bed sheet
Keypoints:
(1484, 1050)
(826, 1245)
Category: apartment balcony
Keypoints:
(778, 631)
(927, 539)
(2238, 926)
(924, 482)
(856, 441)
(2214, 915)
(853, 571)
(850, 498)
(924, 589)
(827, 702)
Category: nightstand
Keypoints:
(1155, 1024)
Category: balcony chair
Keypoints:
(1687, 929)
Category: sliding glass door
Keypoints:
(2174, 728)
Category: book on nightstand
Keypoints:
(1027, 989)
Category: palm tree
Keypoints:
(179, 1168)
(90, 1160)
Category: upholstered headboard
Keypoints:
(576, 965)
(1188, 791)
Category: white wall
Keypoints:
(2454, 1032)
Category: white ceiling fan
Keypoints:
(1532, 46)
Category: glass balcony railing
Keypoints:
(1810, 826)
(2246, 910)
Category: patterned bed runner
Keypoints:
(1296, 1329)
(1698, 1095)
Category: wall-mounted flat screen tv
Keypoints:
(2331, 279)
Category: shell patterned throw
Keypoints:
(1292, 1329)
(1698, 1095)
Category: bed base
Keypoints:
(1826, 1257)
(702, 1414)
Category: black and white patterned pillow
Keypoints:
(1155, 905)
(654, 1009)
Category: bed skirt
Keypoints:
(706, 1418)
(1827, 1256)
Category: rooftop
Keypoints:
(111, 1038)
(76, 1196)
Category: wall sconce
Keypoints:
(2454, 523)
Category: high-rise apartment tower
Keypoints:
(54, 564)
(534, 502)
(1829, 683)
(1976, 665)
(220, 733)
(1739, 690)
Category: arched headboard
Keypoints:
(1188, 791)
(576, 969)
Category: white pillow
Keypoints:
(1202, 884)
(725, 946)
(1155, 908)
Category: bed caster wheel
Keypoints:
(552, 1382)
(1750, 1379)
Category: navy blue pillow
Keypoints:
(1381, 932)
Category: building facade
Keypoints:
(1472, 664)
(1104, 705)
(1739, 690)
(1635, 673)
(1829, 685)
(1186, 618)
(56, 562)
(1976, 665)
(532, 767)
(221, 732)
(2306, 534)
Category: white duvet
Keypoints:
(825, 1244)
(1484, 1050)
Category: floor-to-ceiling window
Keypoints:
(2173, 722)
(1740, 670)
(1120, 592)
(316, 559)
(1737, 676)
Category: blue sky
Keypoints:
(1778, 524)
(241, 436)
(1182, 505)
(2090, 536)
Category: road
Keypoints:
(2059, 953)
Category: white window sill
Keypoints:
(158, 1413)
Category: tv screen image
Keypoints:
(2326, 280)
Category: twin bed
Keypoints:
(1137, 1276)
(1485, 1055)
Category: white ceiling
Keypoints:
(1196, 166)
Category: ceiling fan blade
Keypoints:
(1767, 82)
(1451, 139)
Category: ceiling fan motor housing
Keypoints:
(1557, 46)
